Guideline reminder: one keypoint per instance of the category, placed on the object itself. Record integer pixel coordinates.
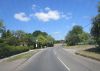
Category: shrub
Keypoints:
(7, 50)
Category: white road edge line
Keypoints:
(63, 64)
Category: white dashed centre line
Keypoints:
(62, 62)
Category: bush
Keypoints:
(50, 44)
(1, 40)
(7, 50)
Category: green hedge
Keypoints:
(7, 50)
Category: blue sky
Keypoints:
(56, 17)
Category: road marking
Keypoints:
(63, 63)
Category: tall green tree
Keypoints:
(77, 30)
(9, 33)
(73, 37)
(50, 41)
(38, 32)
(85, 37)
(21, 37)
(2, 31)
(95, 30)
(1, 26)
(42, 40)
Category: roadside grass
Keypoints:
(89, 51)
(25, 55)
(81, 47)
(94, 55)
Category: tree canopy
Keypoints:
(13, 42)
(76, 36)
(95, 30)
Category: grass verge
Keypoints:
(93, 53)
(89, 51)
(88, 54)
(79, 46)
(25, 55)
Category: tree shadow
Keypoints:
(95, 50)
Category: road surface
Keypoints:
(57, 59)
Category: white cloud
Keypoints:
(73, 24)
(56, 33)
(33, 6)
(47, 16)
(22, 17)
(67, 16)
(87, 17)
(47, 9)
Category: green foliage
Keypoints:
(16, 42)
(77, 36)
(30, 40)
(95, 30)
(50, 41)
(77, 30)
(99, 7)
(91, 41)
(58, 41)
(84, 37)
(22, 38)
(8, 33)
(13, 41)
(1, 26)
(3, 35)
(73, 36)
(43, 39)
(72, 39)
(6, 50)
(36, 33)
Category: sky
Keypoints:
(56, 17)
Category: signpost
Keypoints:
(36, 43)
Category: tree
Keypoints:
(2, 31)
(77, 36)
(95, 30)
(85, 37)
(42, 40)
(21, 37)
(73, 37)
(8, 33)
(19, 34)
(30, 40)
(36, 33)
(7, 36)
(12, 41)
(50, 41)
(3, 35)
(77, 30)
(1, 26)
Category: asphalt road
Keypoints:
(57, 59)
